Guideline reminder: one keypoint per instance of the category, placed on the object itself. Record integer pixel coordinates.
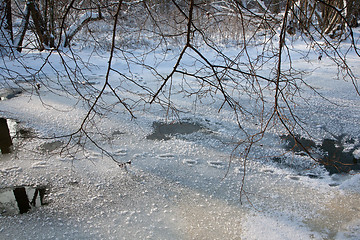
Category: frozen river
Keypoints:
(182, 182)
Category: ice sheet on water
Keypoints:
(160, 197)
(264, 227)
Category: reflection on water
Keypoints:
(21, 199)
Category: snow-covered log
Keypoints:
(77, 26)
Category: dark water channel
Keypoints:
(331, 153)
(6, 94)
(164, 131)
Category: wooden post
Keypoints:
(5, 138)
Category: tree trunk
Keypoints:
(352, 13)
(40, 26)
(23, 27)
(8, 16)
(6, 20)
(52, 23)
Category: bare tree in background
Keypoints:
(6, 24)
(196, 29)
(333, 18)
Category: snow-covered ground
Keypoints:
(183, 187)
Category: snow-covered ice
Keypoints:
(183, 187)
